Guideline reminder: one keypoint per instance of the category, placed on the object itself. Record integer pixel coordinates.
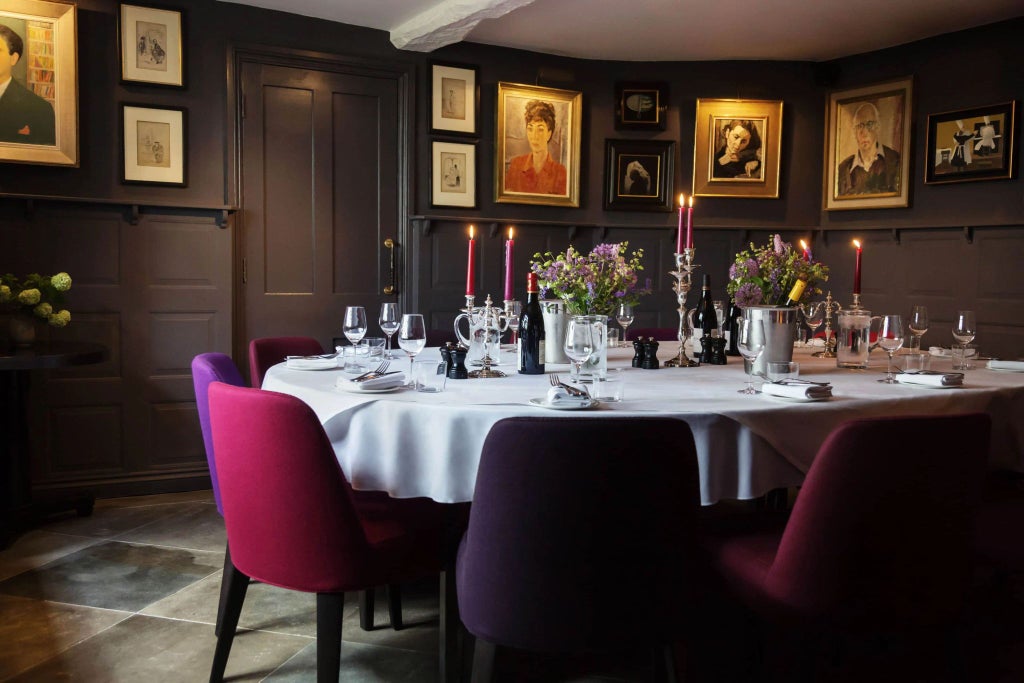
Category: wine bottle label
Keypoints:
(543, 352)
(797, 291)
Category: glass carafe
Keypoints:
(853, 338)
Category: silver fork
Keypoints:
(573, 391)
(379, 370)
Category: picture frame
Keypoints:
(151, 43)
(737, 148)
(453, 174)
(42, 97)
(971, 144)
(454, 98)
(876, 117)
(639, 175)
(153, 144)
(641, 106)
(517, 181)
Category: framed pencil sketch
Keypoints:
(39, 117)
(867, 154)
(454, 102)
(639, 174)
(640, 106)
(971, 144)
(537, 160)
(737, 148)
(151, 45)
(153, 145)
(453, 174)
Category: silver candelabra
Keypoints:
(684, 276)
(831, 306)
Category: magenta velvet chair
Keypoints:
(268, 351)
(568, 513)
(292, 522)
(879, 541)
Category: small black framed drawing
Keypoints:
(640, 106)
(639, 174)
(454, 99)
(151, 45)
(153, 145)
(971, 144)
(453, 174)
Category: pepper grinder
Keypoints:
(638, 352)
(459, 370)
(650, 361)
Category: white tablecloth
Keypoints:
(414, 444)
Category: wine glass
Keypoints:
(814, 315)
(579, 342)
(750, 343)
(354, 326)
(964, 329)
(890, 338)
(624, 317)
(412, 337)
(513, 311)
(918, 325)
(389, 320)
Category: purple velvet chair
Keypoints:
(659, 333)
(292, 522)
(878, 542)
(567, 512)
(268, 351)
(999, 521)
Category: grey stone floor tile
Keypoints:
(152, 649)
(203, 496)
(362, 664)
(107, 522)
(196, 526)
(33, 631)
(36, 548)
(115, 575)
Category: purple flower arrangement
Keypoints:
(594, 283)
(764, 276)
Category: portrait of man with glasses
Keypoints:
(874, 168)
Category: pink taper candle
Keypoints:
(509, 266)
(856, 269)
(680, 238)
(689, 224)
(471, 265)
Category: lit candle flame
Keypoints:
(691, 201)
(803, 245)
(682, 200)
(856, 243)
(510, 232)
(470, 232)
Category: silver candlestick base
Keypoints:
(684, 278)
(831, 306)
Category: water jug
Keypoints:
(853, 338)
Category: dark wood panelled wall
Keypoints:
(159, 285)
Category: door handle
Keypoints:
(390, 245)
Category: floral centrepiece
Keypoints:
(595, 283)
(764, 276)
(38, 295)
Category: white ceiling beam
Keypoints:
(449, 22)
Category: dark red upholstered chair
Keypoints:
(292, 522)
(566, 513)
(999, 523)
(878, 543)
(659, 333)
(268, 351)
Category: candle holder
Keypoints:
(684, 278)
(831, 306)
(493, 321)
(855, 306)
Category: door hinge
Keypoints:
(245, 271)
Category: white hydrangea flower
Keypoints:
(61, 282)
(61, 318)
(5, 293)
(43, 310)
(29, 297)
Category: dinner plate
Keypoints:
(798, 399)
(384, 390)
(543, 403)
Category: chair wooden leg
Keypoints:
(329, 609)
(394, 593)
(484, 654)
(366, 606)
(237, 584)
(448, 656)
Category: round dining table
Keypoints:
(412, 444)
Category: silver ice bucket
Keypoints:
(779, 325)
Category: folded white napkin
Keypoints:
(805, 391)
(310, 362)
(946, 353)
(1015, 365)
(559, 396)
(385, 382)
(931, 379)
(813, 341)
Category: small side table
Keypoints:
(17, 511)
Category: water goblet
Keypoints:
(354, 326)
(890, 338)
(579, 343)
(964, 330)
(624, 317)
(412, 337)
(814, 315)
(389, 320)
(918, 325)
(750, 343)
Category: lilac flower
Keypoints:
(748, 295)
(780, 247)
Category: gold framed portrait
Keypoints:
(39, 110)
(537, 160)
(736, 149)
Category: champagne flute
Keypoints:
(389, 320)
(750, 343)
(624, 317)
(579, 343)
(918, 326)
(412, 337)
(890, 338)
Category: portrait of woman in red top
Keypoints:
(537, 172)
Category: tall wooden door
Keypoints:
(322, 188)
